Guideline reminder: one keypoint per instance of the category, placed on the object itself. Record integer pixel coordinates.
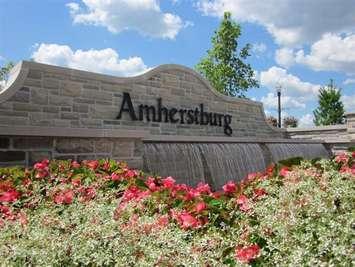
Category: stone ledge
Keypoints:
(319, 128)
(215, 139)
(70, 132)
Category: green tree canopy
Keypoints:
(290, 122)
(330, 109)
(223, 65)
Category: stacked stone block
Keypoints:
(26, 150)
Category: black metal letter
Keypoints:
(127, 100)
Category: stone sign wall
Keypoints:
(59, 112)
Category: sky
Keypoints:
(296, 44)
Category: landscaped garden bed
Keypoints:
(101, 213)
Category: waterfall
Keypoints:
(217, 163)
(181, 161)
(287, 150)
(232, 161)
(211, 163)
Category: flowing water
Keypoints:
(307, 151)
(217, 163)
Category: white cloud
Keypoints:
(284, 57)
(349, 102)
(259, 48)
(306, 121)
(2, 84)
(144, 16)
(270, 102)
(291, 84)
(291, 22)
(349, 81)
(330, 53)
(103, 61)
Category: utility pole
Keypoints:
(278, 89)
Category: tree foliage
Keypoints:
(331, 109)
(290, 122)
(4, 71)
(272, 121)
(223, 65)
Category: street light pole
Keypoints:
(279, 104)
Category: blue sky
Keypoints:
(298, 44)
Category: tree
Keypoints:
(272, 121)
(223, 66)
(330, 110)
(290, 122)
(4, 71)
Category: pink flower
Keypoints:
(130, 173)
(203, 188)
(76, 182)
(64, 197)
(162, 221)
(106, 166)
(252, 176)
(6, 212)
(9, 196)
(186, 220)
(116, 177)
(92, 164)
(41, 169)
(284, 171)
(346, 169)
(168, 182)
(43, 165)
(87, 193)
(229, 188)
(216, 195)
(41, 174)
(75, 165)
(269, 170)
(259, 192)
(341, 158)
(243, 203)
(201, 206)
(135, 193)
(151, 184)
(247, 254)
(182, 187)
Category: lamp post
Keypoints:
(278, 90)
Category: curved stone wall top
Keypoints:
(41, 95)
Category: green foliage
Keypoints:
(330, 110)
(291, 161)
(223, 66)
(290, 122)
(4, 71)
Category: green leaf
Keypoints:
(215, 203)
(230, 261)
(291, 161)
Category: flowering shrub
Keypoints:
(104, 213)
